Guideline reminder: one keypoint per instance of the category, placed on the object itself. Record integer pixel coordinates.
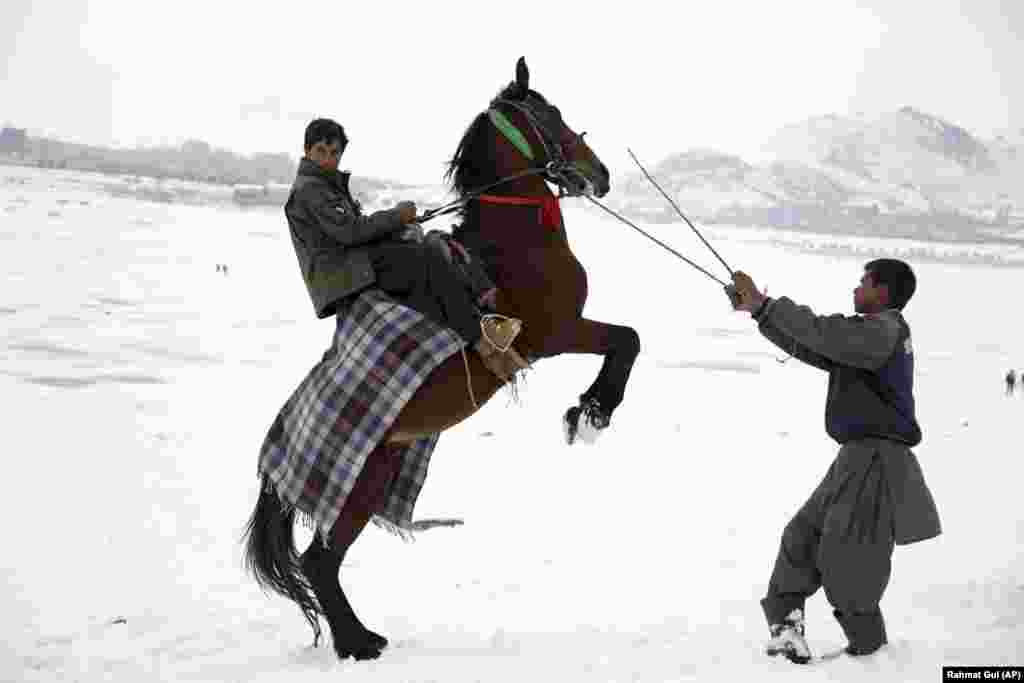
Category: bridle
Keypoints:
(557, 149)
(555, 167)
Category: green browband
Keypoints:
(510, 131)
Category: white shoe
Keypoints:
(788, 639)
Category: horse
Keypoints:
(511, 220)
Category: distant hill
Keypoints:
(905, 173)
(196, 173)
(194, 160)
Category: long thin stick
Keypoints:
(655, 239)
(681, 215)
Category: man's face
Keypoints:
(326, 154)
(867, 298)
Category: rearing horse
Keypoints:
(515, 148)
(512, 221)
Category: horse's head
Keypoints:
(526, 132)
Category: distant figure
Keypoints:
(1011, 382)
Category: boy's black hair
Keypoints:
(898, 278)
(325, 130)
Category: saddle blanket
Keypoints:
(317, 445)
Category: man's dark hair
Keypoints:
(325, 130)
(898, 278)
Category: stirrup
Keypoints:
(500, 330)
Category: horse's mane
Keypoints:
(464, 173)
(469, 168)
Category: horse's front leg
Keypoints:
(619, 345)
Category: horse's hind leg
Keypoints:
(620, 346)
(321, 564)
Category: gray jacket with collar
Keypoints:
(332, 237)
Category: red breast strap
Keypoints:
(550, 208)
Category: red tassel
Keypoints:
(551, 213)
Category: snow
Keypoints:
(138, 382)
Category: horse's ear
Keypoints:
(522, 75)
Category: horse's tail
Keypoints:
(271, 557)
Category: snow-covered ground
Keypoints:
(138, 381)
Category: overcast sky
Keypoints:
(406, 78)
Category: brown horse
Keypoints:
(511, 220)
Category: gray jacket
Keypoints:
(870, 361)
(870, 410)
(331, 236)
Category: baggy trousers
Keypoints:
(841, 539)
(421, 278)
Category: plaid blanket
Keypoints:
(317, 445)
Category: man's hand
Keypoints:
(406, 212)
(743, 293)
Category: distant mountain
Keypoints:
(372, 193)
(194, 160)
(196, 173)
(902, 173)
(906, 172)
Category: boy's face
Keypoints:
(326, 154)
(868, 298)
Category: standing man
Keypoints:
(341, 252)
(1011, 382)
(874, 495)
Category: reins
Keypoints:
(457, 204)
(659, 242)
(655, 240)
(556, 169)
(681, 215)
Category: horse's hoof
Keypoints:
(376, 639)
(361, 652)
(585, 421)
(365, 653)
(365, 645)
(361, 655)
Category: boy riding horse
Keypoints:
(341, 252)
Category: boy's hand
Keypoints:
(406, 212)
(744, 289)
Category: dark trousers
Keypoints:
(421, 278)
(841, 539)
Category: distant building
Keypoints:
(14, 141)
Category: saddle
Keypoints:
(469, 268)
